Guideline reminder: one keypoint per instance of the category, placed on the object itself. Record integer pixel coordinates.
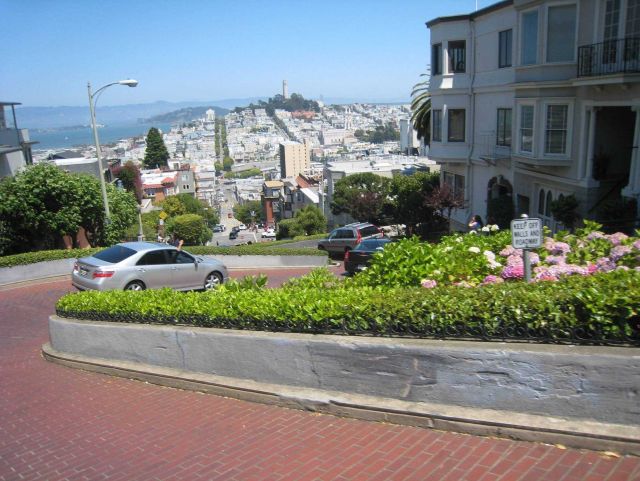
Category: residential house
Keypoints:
(15, 145)
(533, 101)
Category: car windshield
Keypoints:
(114, 254)
(371, 244)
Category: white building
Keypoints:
(534, 100)
(15, 145)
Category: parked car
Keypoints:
(358, 259)
(137, 266)
(344, 239)
(269, 234)
(242, 227)
(218, 228)
(233, 234)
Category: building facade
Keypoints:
(295, 158)
(15, 145)
(533, 101)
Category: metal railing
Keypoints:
(610, 57)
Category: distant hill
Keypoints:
(66, 116)
(186, 114)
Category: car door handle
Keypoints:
(174, 268)
(140, 269)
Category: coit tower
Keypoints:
(285, 91)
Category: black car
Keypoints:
(358, 259)
(233, 234)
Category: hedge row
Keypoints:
(244, 250)
(577, 309)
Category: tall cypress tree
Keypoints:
(156, 154)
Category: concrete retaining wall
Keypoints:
(41, 270)
(593, 383)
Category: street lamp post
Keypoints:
(93, 98)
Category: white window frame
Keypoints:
(546, 33)
(519, 126)
(433, 125)
(520, 36)
(568, 147)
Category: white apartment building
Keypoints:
(533, 100)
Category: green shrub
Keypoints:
(42, 256)
(607, 304)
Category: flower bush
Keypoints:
(474, 260)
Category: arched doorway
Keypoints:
(499, 202)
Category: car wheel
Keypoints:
(212, 280)
(135, 286)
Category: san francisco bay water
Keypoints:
(69, 138)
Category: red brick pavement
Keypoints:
(58, 423)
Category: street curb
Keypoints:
(62, 267)
(581, 434)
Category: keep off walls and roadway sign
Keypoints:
(526, 234)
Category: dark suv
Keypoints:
(345, 238)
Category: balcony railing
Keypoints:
(610, 57)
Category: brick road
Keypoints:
(58, 423)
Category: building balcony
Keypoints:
(612, 57)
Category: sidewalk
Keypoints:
(61, 424)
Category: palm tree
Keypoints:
(421, 108)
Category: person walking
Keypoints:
(476, 223)
(175, 242)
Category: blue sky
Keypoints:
(202, 50)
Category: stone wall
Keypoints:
(571, 382)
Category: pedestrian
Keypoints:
(175, 242)
(476, 223)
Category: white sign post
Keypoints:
(526, 234)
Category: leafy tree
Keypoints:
(380, 135)
(156, 154)
(129, 175)
(43, 203)
(227, 163)
(253, 172)
(311, 220)
(242, 212)
(191, 228)
(444, 200)
(421, 108)
(124, 213)
(564, 209)
(173, 206)
(289, 228)
(181, 204)
(219, 167)
(365, 197)
(409, 193)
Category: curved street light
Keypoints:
(93, 98)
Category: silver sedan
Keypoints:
(146, 265)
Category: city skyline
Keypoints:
(197, 51)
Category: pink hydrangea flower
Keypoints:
(513, 272)
(570, 269)
(510, 251)
(545, 274)
(636, 245)
(428, 283)
(604, 264)
(490, 279)
(556, 260)
(557, 248)
(596, 235)
(591, 268)
(515, 260)
(618, 252)
(617, 238)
